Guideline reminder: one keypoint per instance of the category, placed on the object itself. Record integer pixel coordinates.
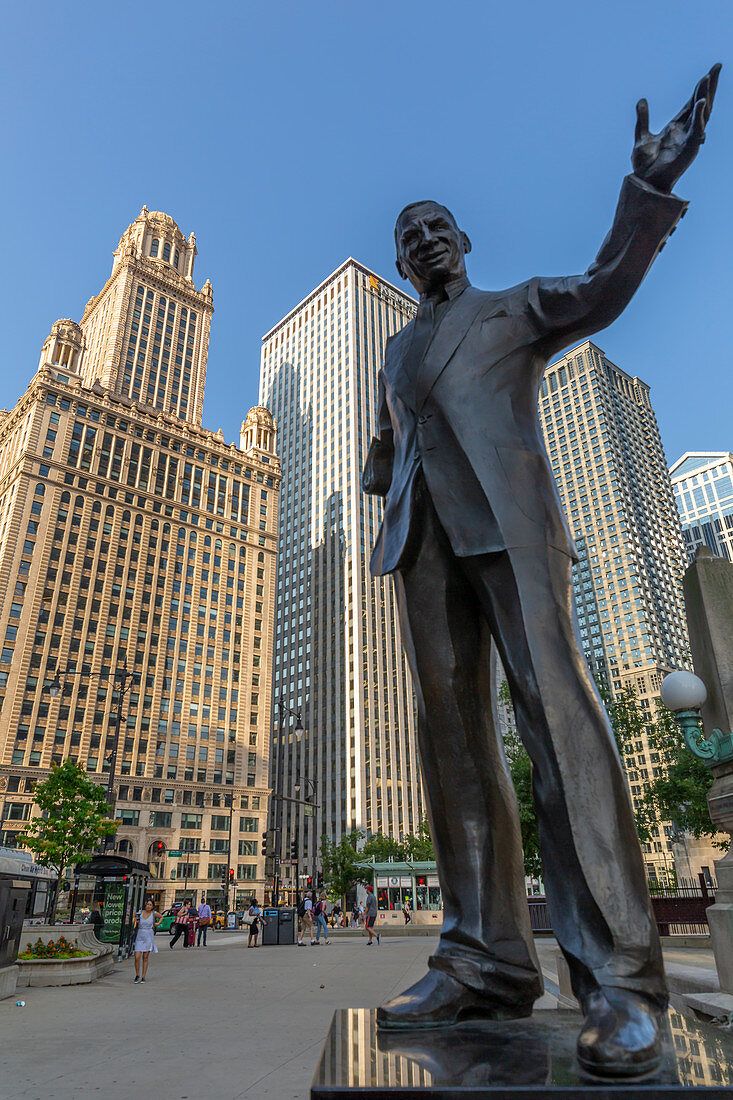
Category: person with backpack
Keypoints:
(255, 914)
(305, 915)
(320, 910)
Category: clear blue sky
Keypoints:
(288, 135)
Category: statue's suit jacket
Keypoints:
(468, 414)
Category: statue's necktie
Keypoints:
(421, 335)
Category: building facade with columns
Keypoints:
(131, 537)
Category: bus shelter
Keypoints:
(113, 888)
(25, 888)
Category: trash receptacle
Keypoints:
(286, 926)
(269, 930)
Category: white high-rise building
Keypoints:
(606, 454)
(338, 651)
(703, 489)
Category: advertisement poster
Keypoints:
(113, 912)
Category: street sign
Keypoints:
(307, 811)
(175, 854)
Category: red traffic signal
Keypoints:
(310, 882)
(159, 848)
(231, 874)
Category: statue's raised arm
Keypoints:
(570, 309)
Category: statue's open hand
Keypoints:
(661, 158)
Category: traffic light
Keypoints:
(293, 850)
(231, 876)
(320, 880)
(159, 848)
(310, 883)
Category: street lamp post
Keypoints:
(277, 795)
(228, 800)
(312, 794)
(122, 682)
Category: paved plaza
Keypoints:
(222, 1023)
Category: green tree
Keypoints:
(419, 846)
(74, 817)
(339, 861)
(679, 793)
(381, 848)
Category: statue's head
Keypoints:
(431, 249)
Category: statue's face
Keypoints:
(431, 248)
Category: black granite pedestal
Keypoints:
(518, 1060)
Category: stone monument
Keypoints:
(708, 588)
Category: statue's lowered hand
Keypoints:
(660, 159)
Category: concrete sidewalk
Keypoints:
(225, 1022)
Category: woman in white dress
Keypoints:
(146, 921)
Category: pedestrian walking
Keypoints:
(305, 913)
(255, 913)
(355, 915)
(407, 912)
(319, 912)
(180, 924)
(146, 921)
(96, 919)
(204, 922)
(371, 916)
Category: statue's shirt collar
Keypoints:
(447, 292)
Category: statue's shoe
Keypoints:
(438, 1000)
(621, 1036)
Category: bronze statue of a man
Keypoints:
(475, 536)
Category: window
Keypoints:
(160, 819)
(167, 252)
(219, 822)
(191, 821)
(128, 817)
(154, 248)
(17, 811)
(248, 824)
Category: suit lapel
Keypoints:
(396, 365)
(448, 335)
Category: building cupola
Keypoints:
(63, 347)
(155, 236)
(258, 431)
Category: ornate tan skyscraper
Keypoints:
(130, 535)
(161, 362)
